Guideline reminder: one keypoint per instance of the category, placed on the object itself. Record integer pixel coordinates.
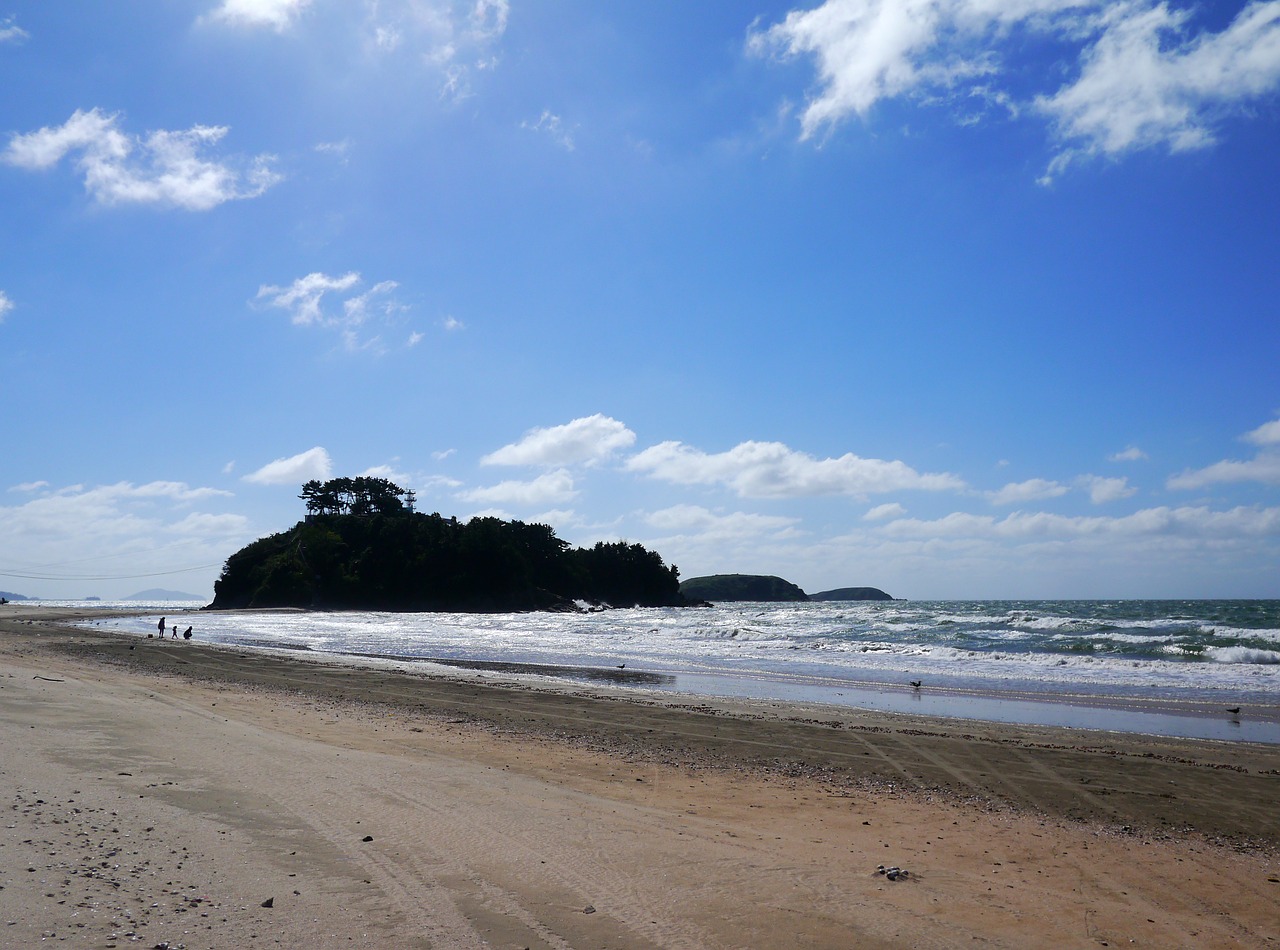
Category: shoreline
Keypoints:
(1200, 714)
(418, 810)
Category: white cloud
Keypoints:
(302, 297)
(354, 316)
(339, 150)
(161, 168)
(1102, 490)
(389, 472)
(9, 33)
(294, 470)
(1266, 434)
(1145, 83)
(885, 512)
(772, 470)
(553, 127)
(452, 324)
(1143, 78)
(30, 486)
(1033, 489)
(71, 541)
(5, 305)
(587, 440)
(1263, 467)
(279, 15)
(1198, 523)
(696, 520)
(1131, 454)
(456, 41)
(551, 488)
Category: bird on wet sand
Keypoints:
(1234, 710)
(915, 684)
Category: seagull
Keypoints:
(915, 684)
(622, 666)
(1234, 710)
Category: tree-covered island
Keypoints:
(363, 547)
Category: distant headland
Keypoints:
(732, 588)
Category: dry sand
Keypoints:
(161, 793)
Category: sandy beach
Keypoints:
(173, 794)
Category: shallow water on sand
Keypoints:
(1164, 667)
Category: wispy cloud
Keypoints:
(358, 318)
(1148, 81)
(587, 440)
(1144, 75)
(772, 470)
(1131, 454)
(294, 469)
(5, 305)
(454, 41)
(162, 168)
(11, 32)
(552, 126)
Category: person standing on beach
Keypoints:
(161, 628)
(186, 634)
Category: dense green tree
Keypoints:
(362, 547)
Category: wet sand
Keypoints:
(162, 792)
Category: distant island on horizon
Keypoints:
(159, 593)
(766, 588)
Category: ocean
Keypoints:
(1168, 667)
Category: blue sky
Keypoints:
(956, 298)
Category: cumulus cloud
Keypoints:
(357, 318)
(73, 536)
(1144, 76)
(772, 470)
(552, 488)
(1033, 489)
(1102, 490)
(279, 15)
(162, 168)
(586, 440)
(1145, 82)
(1263, 467)
(294, 470)
(5, 305)
(1266, 434)
(885, 512)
